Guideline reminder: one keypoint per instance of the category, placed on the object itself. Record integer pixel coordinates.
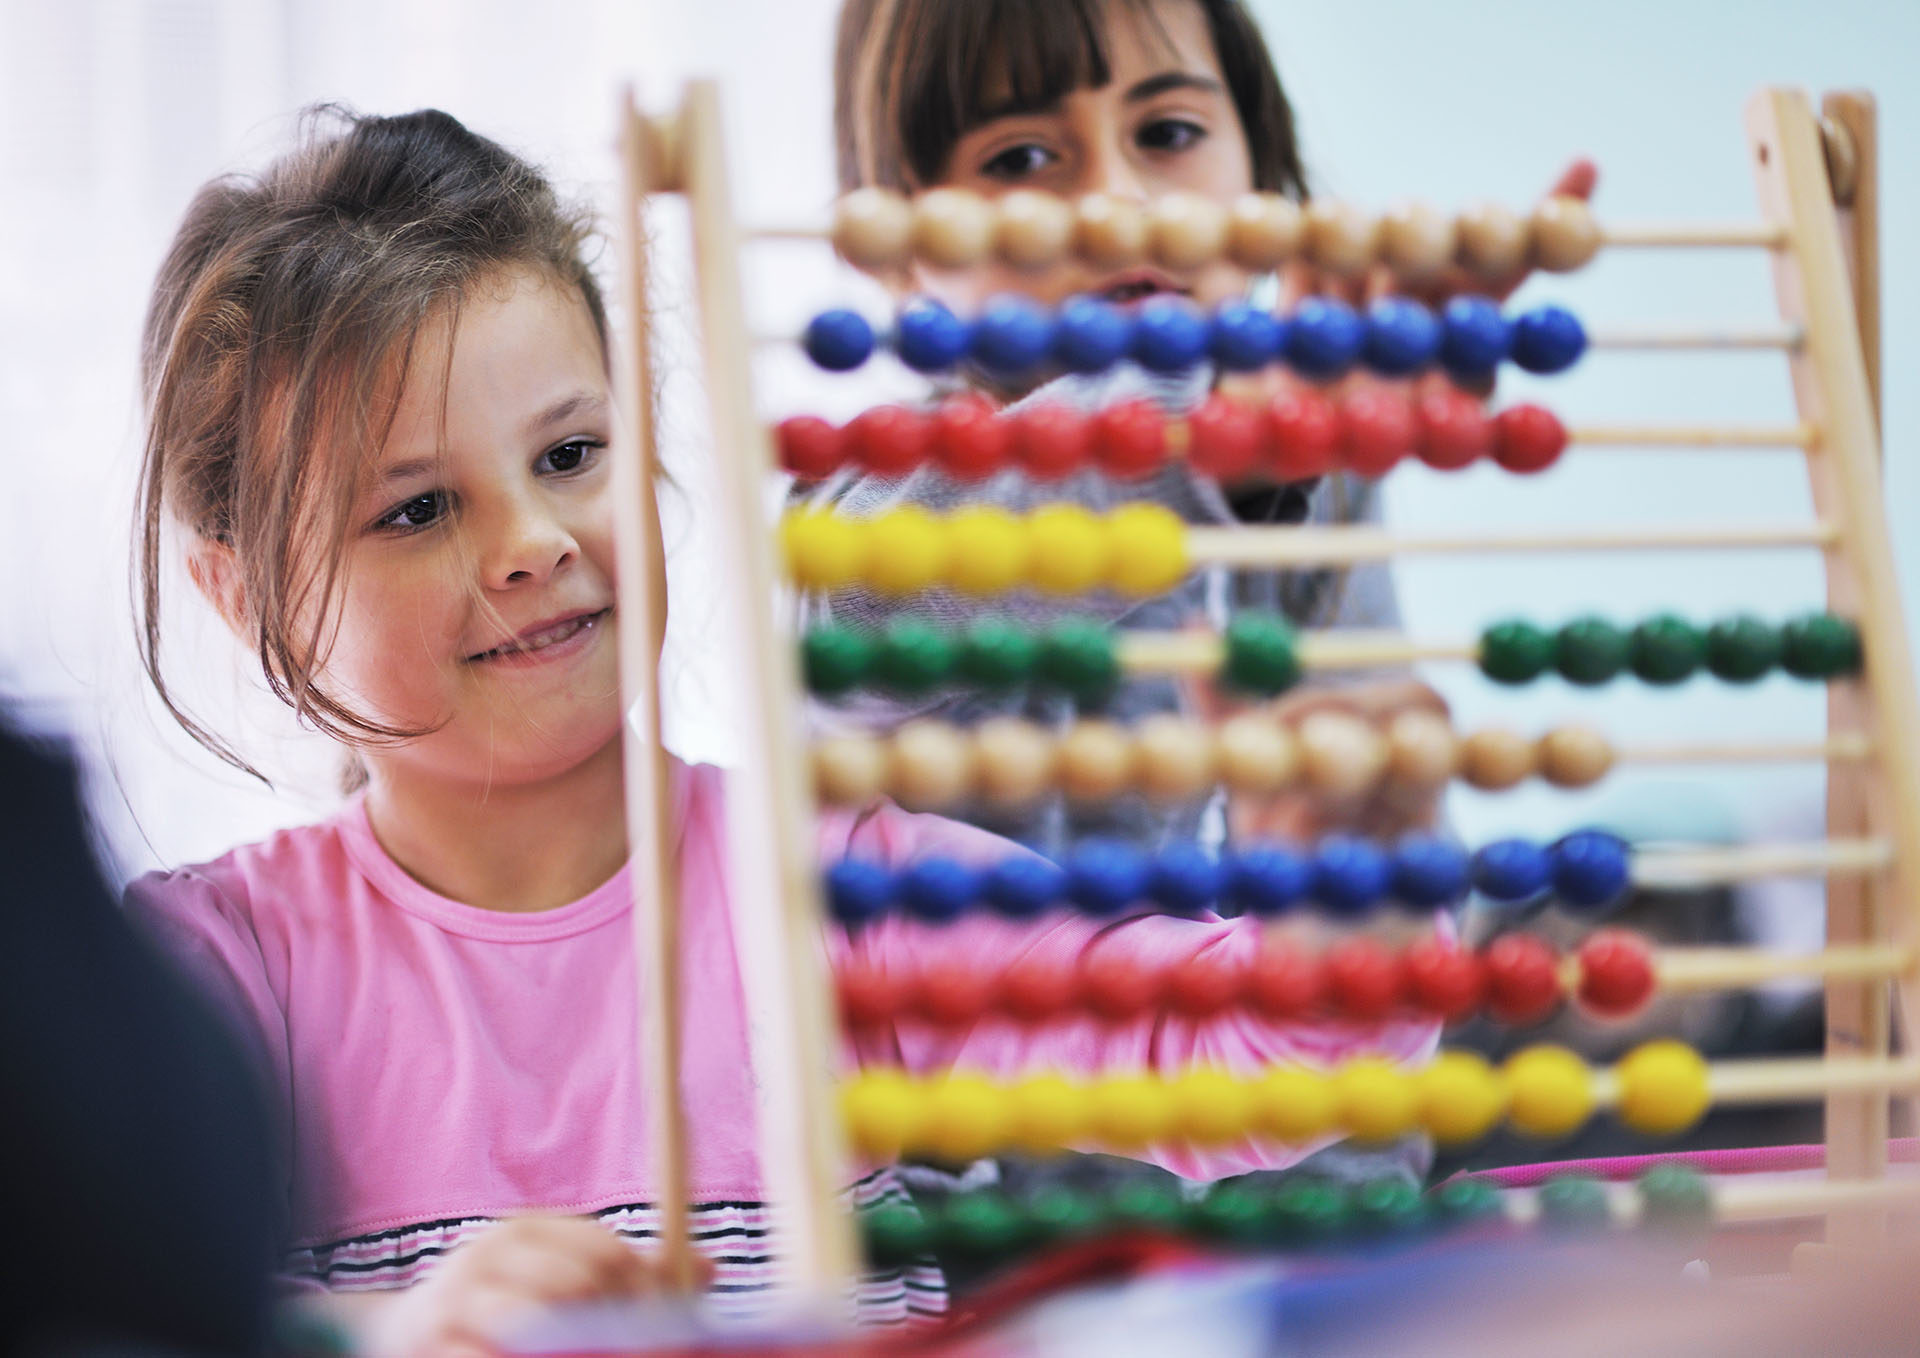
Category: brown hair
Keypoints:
(911, 77)
(285, 311)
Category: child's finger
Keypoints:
(1578, 180)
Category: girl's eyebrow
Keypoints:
(581, 402)
(1173, 80)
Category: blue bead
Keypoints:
(1429, 872)
(1474, 336)
(858, 891)
(1184, 879)
(1012, 335)
(1268, 879)
(1169, 335)
(1324, 338)
(1402, 336)
(1591, 870)
(838, 340)
(928, 337)
(1350, 875)
(1548, 339)
(1090, 335)
(1244, 338)
(1021, 887)
(1105, 876)
(939, 889)
(1511, 871)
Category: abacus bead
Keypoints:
(1014, 761)
(895, 1235)
(1590, 651)
(1106, 876)
(1377, 430)
(1207, 983)
(1119, 985)
(1461, 1097)
(1474, 336)
(1574, 1202)
(1495, 759)
(858, 890)
(1169, 335)
(835, 659)
(1066, 1214)
(1182, 878)
(838, 340)
(1666, 649)
(995, 655)
(1574, 756)
(1128, 438)
(1363, 979)
(1294, 1106)
(869, 993)
(1388, 1206)
(952, 228)
(964, 1117)
(1148, 549)
(912, 657)
(1020, 886)
(1378, 1101)
(1743, 649)
(1128, 1112)
(1444, 979)
(1341, 238)
(1512, 871)
(1455, 430)
(1210, 1107)
(1467, 1200)
(1109, 232)
(1011, 335)
(986, 550)
(1421, 749)
(1257, 754)
(1035, 987)
(823, 551)
(1242, 337)
(1591, 869)
(1173, 758)
(953, 991)
(968, 440)
(1223, 439)
(939, 890)
(1268, 879)
(810, 448)
(1350, 875)
(1417, 241)
(981, 1224)
(1402, 336)
(1033, 229)
(1045, 1113)
(1147, 1205)
(1304, 427)
(1233, 1213)
(1491, 242)
(1663, 1087)
(1049, 441)
(1079, 657)
(872, 228)
(1324, 338)
(1308, 1212)
(1563, 233)
(932, 766)
(1523, 979)
(1429, 871)
(1819, 646)
(1095, 761)
(1185, 231)
(1548, 339)
(884, 1112)
(1264, 231)
(1616, 973)
(1284, 982)
(849, 770)
(1528, 438)
(1675, 1195)
(888, 440)
(1090, 335)
(1515, 652)
(1341, 755)
(1551, 1091)
(929, 338)
(1066, 549)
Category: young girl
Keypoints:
(379, 413)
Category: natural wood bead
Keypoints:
(931, 767)
(1496, 758)
(1341, 238)
(1574, 756)
(1173, 758)
(1492, 242)
(1341, 755)
(1014, 761)
(1096, 761)
(849, 770)
(1109, 232)
(1565, 235)
(1421, 749)
(873, 228)
(1258, 756)
(1417, 241)
(952, 228)
(1186, 231)
(1264, 231)
(1033, 229)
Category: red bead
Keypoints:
(1523, 979)
(953, 990)
(1527, 438)
(1223, 439)
(888, 440)
(1454, 430)
(1036, 987)
(869, 992)
(1306, 435)
(1616, 973)
(1377, 430)
(1118, 985)
(1284, 982)
(1129, 438)
(1363, 979)
(810, 448)
(1207, 983)
(969, 440)
(1050, 441)
(1444, 979)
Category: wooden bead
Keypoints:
(1421, 749)
(1341, 238)
(1565, 236)
(1174, 758)
(1258, 756)
(1574, 756)
(1496, 758)
(1417, 241)
(1264, 231)
(1109, 232)
(931, 765)
(1014, 761)
(952, 228)
(1096, 761)
(849, 770)
(1186, 231)
(1341, 755)
(1492, 242)
(1033, 229)
(873, 228)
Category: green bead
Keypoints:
(1079, 657)
(1388, 1207)
(1515, 652)
(1667, 649)
(1463, 1200)
(1261, 655)
(994, 655)
(1589, 651)
(834, 659)
(1675, 1196)
(1574, 1201)
(913, 658)
(1234, 1213)
(1304, 1213)
(1743, 649)
(894, 1235)
(983, 1225)
(1148, 1206)
(1819, 646)
(1065, 1214)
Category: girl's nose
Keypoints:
(528, 547)
(1111, 170)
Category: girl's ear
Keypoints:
(215, 572)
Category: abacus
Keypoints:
(1815, 179)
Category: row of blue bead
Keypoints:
(1345, 875)
(1323, 338)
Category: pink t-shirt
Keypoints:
(437, 1066)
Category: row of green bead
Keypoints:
(1302, 1214)
(1668, 650)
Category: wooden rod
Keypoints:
(1693, 436)
(1693, 235)
(1736, 1200)
(1687, 969)
(1844, 748)
(1336, 546)
(1711, 867)
(1757, 337)
(1790, 1080)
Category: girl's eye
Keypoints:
(1018, 162)
(1169, 134)
(568, 457)
(418, 512)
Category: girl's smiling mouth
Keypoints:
(545, 641)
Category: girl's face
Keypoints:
(478, 593)
(1164, 123)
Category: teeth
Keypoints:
(541, 640)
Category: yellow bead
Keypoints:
(883, 1112)
(849, 770)
(1565, 236)
(1550, 1091)
(1574, 756)
(1066, 549)
(1461, 1097)
(1014, 761)
(1421, 749)
(1210, 1107)
(872, 228)
(1663, 1087)
(963, 1117)
(1493, 242)
(1294, 1105)
(1257, 755)
(1341, 239)
(1341, 755)
(986, 550)
(1263, 231)
(1109, 232)
(1186, 231)
(1495, 759)
(1128, 1112)
(906, 551)
(952, 228)
(1417, 241)
(1046, 1113)
(930, 765)
(1095, 761)
(1173, 758)
(1148, 544)
(1034, 229)
(1378, 1101)
(824, 551)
